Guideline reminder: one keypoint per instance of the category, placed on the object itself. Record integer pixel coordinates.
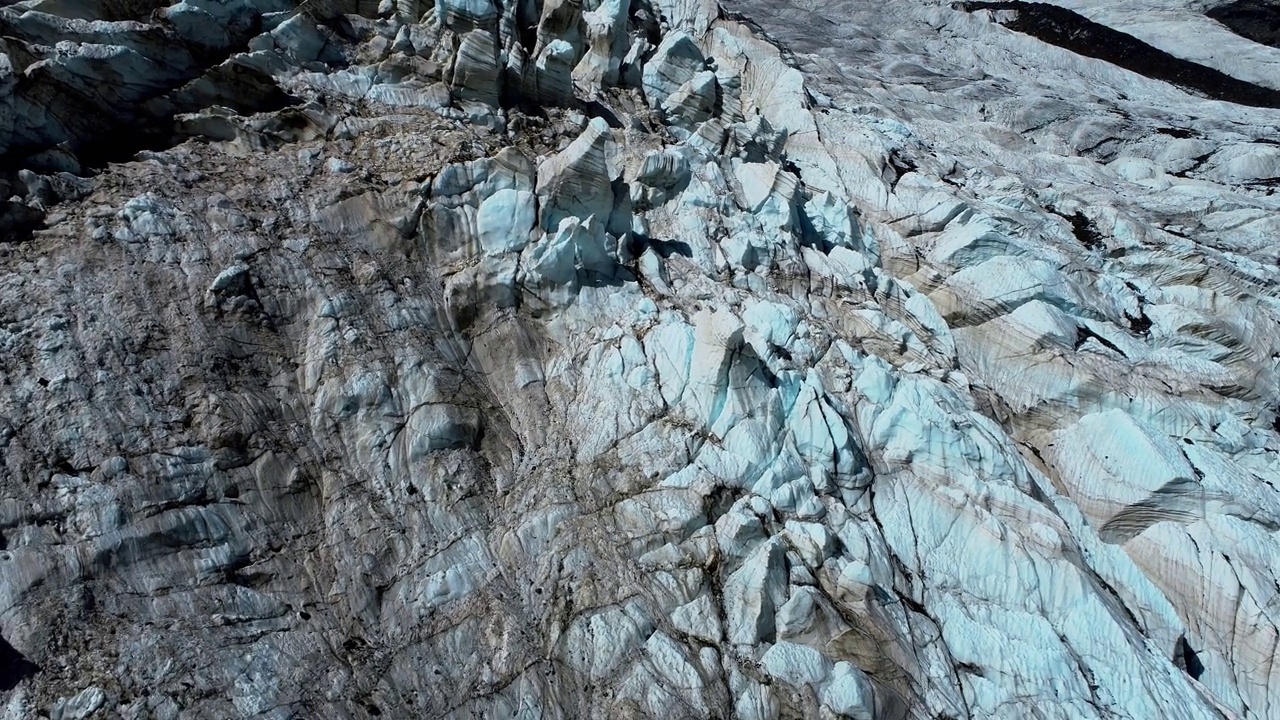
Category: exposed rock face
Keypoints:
(598, 360)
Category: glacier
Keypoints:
(666, 358)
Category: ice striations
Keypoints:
(598, 359)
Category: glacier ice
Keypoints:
(392, 359)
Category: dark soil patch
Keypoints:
(1256, 20)
(1074, 32)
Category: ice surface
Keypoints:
(565, 360)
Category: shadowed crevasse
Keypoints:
(1074, 32)
(1187, 660)
(14, 668)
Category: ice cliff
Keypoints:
(560, 359)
